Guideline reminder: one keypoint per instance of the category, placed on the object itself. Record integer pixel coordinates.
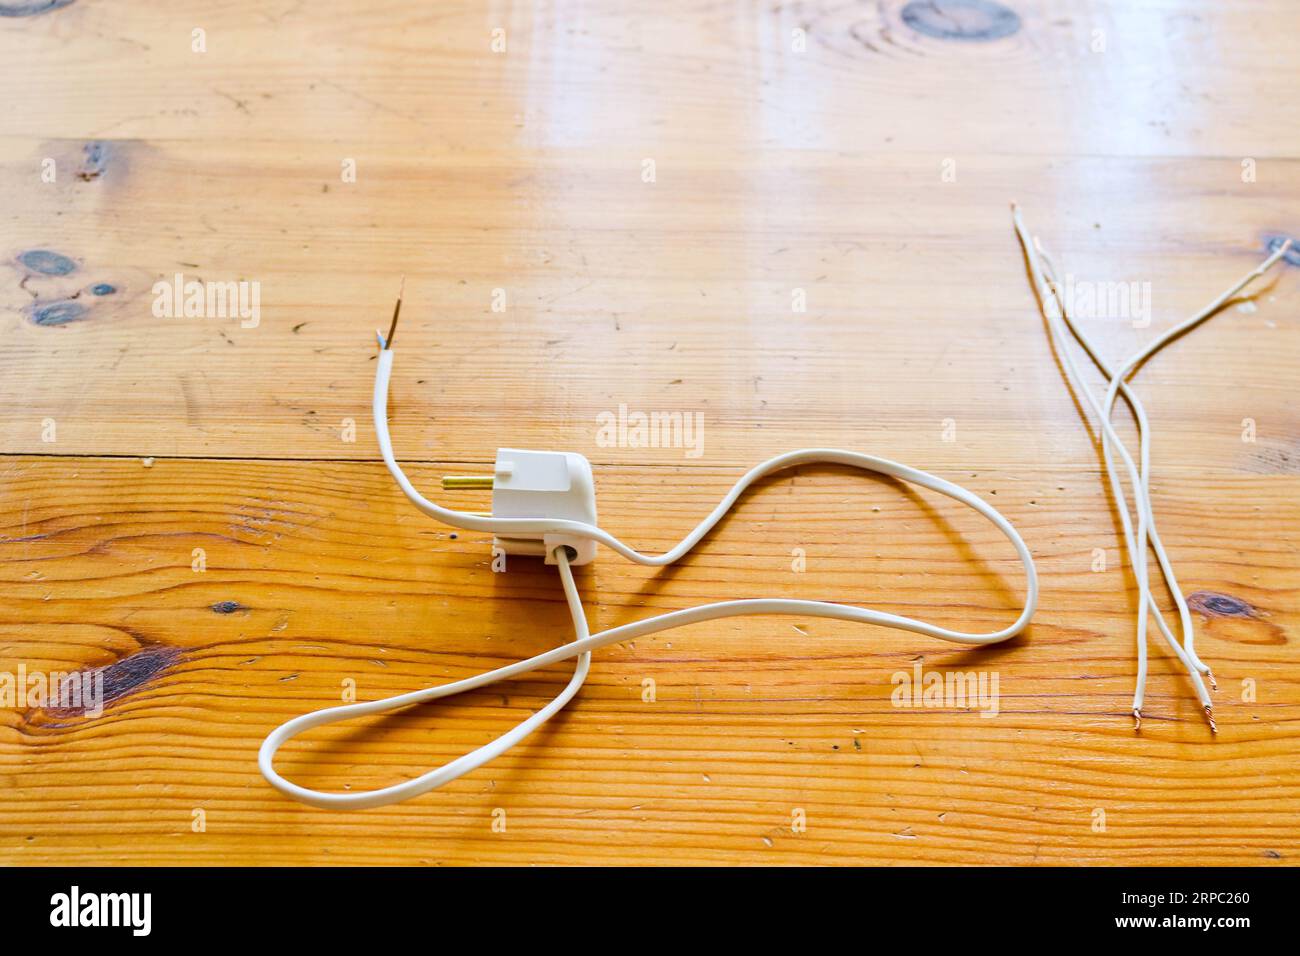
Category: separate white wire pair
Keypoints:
(584, 642)
(1047, 285)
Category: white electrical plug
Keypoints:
(544, 484)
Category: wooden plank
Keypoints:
(685, 303)
(319, 572)
(1175, 77)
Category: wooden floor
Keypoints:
(628, 209)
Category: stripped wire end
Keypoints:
(386, 341)
(1137, 721)
(1209, 715)
(1278, 253)
(1214, 685)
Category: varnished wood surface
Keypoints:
(775, 171)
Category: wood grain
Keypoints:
(319, 572)
(128, 441)
(640, 311)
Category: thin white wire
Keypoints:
(584, 642)
(1119, 380)
(1137, 555)
(1140, 479)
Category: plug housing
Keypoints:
(544, 484)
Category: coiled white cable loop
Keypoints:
(584, 642)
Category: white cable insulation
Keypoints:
(1137, 556)
(1144, 431)
(1042, 287)
(1119, 380)
(1139, 477)
(584, 642)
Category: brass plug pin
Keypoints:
(457, 482)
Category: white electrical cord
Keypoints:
(1046, 283)
(585, 642)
